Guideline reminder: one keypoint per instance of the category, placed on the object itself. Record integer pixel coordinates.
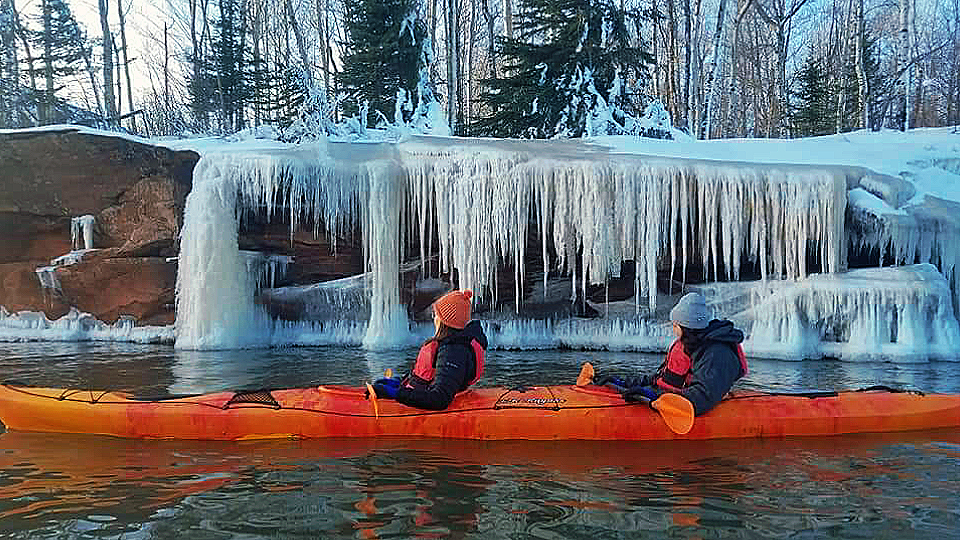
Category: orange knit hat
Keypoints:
(453, 309)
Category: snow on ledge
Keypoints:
(77, 326)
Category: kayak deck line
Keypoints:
(263, 399)
(562, 412)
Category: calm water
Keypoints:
(61, 486)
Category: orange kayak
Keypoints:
(532, 413)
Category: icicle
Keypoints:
(599, 210)
(388, 318)
(81, 228)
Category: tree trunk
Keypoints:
(713, 78)
(862, 82)
(844, 47)
(909, 118)
(655, 20)
(118, 77)
(166, 72)
(325, 42)
(508, 18)
(453, 65)
(126, 68)
(674, 68)
(781, 79)
(470, 60)
(687, 67)
(109, 99)
(46, 109)
(696, 70)
(194, 43)
(21, 33)
(491, 38)
(732, 91)
(432, 22)
(91, 72)
(10, 69)
(903, 82)
(301, 44)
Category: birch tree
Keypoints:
(778, 17)
(508, 18)
(713, 69)
(454, 87)
(902, 118)
(732, 92)
(863, 82)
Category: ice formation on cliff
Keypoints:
(869, 313)
(472, 200)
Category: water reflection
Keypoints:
(890, 486)
(852, 486)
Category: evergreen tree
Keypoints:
(224, 82)
(62, 43)
(569, 60)
(812, 112)
(384, 54)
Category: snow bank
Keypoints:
(867, 314)
(77, 326)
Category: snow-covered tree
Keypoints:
(383, 55)
(572, 64)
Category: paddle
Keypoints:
(372, 394)
(676, 410)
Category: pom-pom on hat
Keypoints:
(453, 309)
(691, 312)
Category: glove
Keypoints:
(616, 381)
(387, 388)
(641, 393)
(643, 380)
(393, 381)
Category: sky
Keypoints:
(144, 21)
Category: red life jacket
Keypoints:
(674, 373)
(425, 367)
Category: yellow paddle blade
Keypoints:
(372, 396)
(586, 374)
(676, 411)
(388, 373)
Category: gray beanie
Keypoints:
(691, 312)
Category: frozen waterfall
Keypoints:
(475, 201)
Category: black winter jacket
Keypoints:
(714, 365)
(455, 368)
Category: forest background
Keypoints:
(508, 68)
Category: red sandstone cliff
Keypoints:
(135, 192)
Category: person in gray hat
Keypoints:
(701, 365)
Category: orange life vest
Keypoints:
(425, 368)
(674, 373)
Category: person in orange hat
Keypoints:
(447, 363)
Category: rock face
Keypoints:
(136, 193)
